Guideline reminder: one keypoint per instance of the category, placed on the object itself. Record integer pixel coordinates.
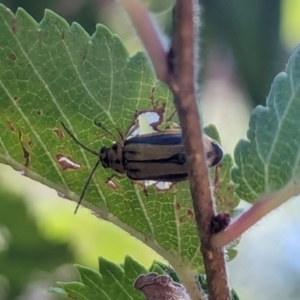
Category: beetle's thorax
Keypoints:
(112, 157)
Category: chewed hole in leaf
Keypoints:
(58, 133)
(146, 122)
(10, 126)
(143, 123)
(66, 162)
(159, 185)
(190, 213)
(112, 184)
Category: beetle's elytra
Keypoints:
(158, 156)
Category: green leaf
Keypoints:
(51, 73)
(225, 196)
(113, 282)
(59, 291)
(224, 193)
(270, 158)
(224, 189)
(203, 283)
(212, 132)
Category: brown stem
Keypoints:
(184, 87)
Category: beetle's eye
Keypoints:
(218, 154)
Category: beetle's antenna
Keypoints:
(77, 142)
(86, 185)
(99, 124)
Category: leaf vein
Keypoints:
(246, 181)
(120, 285)
(144, 210)
(177, 225)
(56, 104)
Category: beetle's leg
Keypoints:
(115, 175)
(141, 183)
(145, 191)
(134, 126)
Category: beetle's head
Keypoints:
(113, 157)
(103, 155)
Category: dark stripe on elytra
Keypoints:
(173, 159)
(162, 139)
(165, 178)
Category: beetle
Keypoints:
(157, 156)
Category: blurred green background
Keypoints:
(245, 44)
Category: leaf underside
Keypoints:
(271, 157)
(112, 282)
(50, 73)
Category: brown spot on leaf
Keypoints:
(31, 144)
(66, 162)
(39, 112)
(59, 133)
(39, 38)
(152, 97)
(63, 35)
(229, 188)
(26, 156)
(177, 206)
(84, 55)
(152, 90)
(25, 152)
(171, 115)
(12, 56)
(16, 98)
(190, 213)
(155, 102)
(10, 126)
(14, 26)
